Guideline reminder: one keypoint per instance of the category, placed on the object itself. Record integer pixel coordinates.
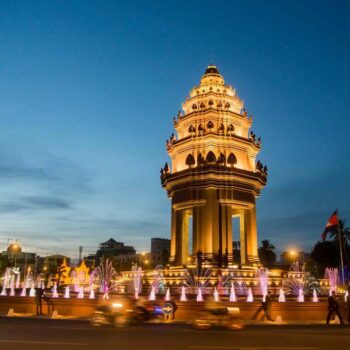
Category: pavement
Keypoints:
(43, 333)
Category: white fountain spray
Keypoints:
(301, 295)
(346, 295)
(183, 294)
(250, 297)
(232, 293)
(199, 294)
(167, 295)
(92, 293)
(152, 294)
(314, 296)
(24, 292)
(32, 290)
(18, 277)
(281, 297)
(12, 287)
(4, 284)
(67, 293)
(54, 291)
(216, 295)
(81, 293)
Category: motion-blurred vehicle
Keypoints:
(214, 316)
(120, 311)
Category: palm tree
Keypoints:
(344, 238)
(266, 253)
(344, 233)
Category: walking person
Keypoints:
(333, 307)
(266, 308)
(39, 293)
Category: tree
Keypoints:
(344, 233)
(4, 263)
(325, 254)
(345, 239)
(266, 253)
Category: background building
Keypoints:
(160, 251)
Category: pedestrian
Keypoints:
(265, 307)
(172, 302)
(347, 303)
(39, 293)
(333, 306)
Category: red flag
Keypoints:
(332, 223)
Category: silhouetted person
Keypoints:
(347, 301)
(266, 307)
(333, 306)
(172, 302)
(39, 293)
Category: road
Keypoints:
(38, 334)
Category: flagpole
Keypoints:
(341, 253)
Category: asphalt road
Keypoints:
(21, 334)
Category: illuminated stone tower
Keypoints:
(213, 175)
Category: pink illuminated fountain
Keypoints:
(233, 297)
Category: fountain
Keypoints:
(167, 295)
(5, 283)
(314, 296)
(232, 293)
(18, 276)
(281, 297)
(92, 293)
(67, 293)
(105, 273)
(197, 281)
(152, 294)
(183, 294)
(137, 280)
(199, 294)
(346, 295)
(24, 292)
(301, 295)
(157, 283)
(12, 287)
(54, 291)
(250, 295)
(81, 293)
(263, 277)
(32, 290)
(333, 276)
(216, 295)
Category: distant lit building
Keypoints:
(160, 251)
(16, 257)
(112, 248)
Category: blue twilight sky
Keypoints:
(88, 90)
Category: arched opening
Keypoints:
(200, 129)
(210, 125)
(227, 105)
(210, 158)
(230, 129)
(200, 159)
(221, 129)
(202, 105)
(231, 160)
(221, 159)
(210, 103)
(194, 106)
(192, 129)
(190, 161)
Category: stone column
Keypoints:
(173, 237)
(243, 236)
(252, 238)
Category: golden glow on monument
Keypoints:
(213, 175)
